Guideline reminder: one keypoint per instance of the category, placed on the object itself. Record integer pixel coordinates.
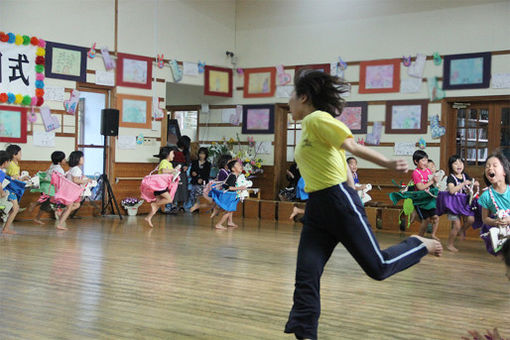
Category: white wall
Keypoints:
(313, 32)
(188, 30)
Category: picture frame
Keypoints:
(406, 117)
(134, 71)
(68, 62)
(379, 76)
(467, 71)
(319, 67)
(218, 81)
(258, 119)
(134, 111)
(354, 115)
(259, 82)
(13, 124)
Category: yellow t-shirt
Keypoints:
(319, 153)
(164, 164)
(13, 169)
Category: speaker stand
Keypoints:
(106, 189)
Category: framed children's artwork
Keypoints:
(467, 71)
(134, 71)
(13, 124)
(354, 115)
(135, 111)
(258, 119)
(406, 117)
(259, 82)
(218, 81)
(379, 76)
(66, 62)
(318, 67)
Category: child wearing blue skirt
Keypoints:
(226, 196)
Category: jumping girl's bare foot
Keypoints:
(220, 227)
(60, 227)
(149, 221)
(452, 248)
(8, 232)
(232, 225)
(435, 237)
(294, 213)
(434, 247)
(36, 220)
(194, 207)
(214, 213)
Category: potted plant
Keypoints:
(131, 204)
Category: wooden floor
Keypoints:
(106, 279)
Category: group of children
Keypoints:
(221, 194)
(54, 196)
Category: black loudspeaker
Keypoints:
(110, 122)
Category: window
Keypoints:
(293, 137)
(90, 140)
(188, 123)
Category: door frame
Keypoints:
(449, 120)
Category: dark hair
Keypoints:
(164, 151)
(231, 164)
(12, 150)
(351, 159)
(57, 157)
(505, 251)
(419, 155)
(430, 161)
(452, 160)
(74, 158)
(322, 90)
(504, 162)
(204, 150)
(4, 157)
(223, 160)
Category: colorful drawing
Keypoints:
(134, 71)
(71, 105)
(379, 77)
(66, 62)
(351, 116)
(406, 117)
(466, 71)
(10, 123)
(109, 63)
(218, 81)
(259, 82)
(283, 78)
(258, 119)
(134, 111)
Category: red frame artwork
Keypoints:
(207, 78)
(120, 71)
(324, 67)
(363, 76)
(23, 127)
(248, 72)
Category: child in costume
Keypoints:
(58, 160)
(495, 202)
(457, 201)
(161, 189)
(226, 198)
(13, 170)
(69, 192)
(11, 201)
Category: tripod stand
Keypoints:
(106, 189)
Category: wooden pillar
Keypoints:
(280, 146)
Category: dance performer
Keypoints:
(457, 201)
(162, 189)
(334, 212)
(10, 197)
(200, 170)
(495, 202)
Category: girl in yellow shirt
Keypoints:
(334, 212)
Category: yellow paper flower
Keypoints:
(41, 52)
(18, 40)
(19, 98)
